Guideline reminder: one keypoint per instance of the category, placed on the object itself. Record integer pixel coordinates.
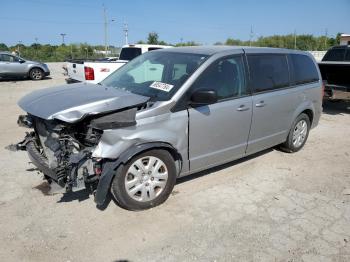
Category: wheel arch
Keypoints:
(304, 108)
(34, 67)
(309, 113)
(110, 167)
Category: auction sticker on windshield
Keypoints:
(161, 86)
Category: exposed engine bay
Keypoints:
(63, 151)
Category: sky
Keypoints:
(202, 21)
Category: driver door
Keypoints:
(219, 132)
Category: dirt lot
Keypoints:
(269, 207)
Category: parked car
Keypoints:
(12, 66)
(94, 71)
(171, 113)
(335, 71)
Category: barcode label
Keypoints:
(161, 86)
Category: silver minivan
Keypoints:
(167, 114)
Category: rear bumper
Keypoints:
(72, 81)
(335, 92)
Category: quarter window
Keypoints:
(225, 76)
(268, 72)
(303, 69)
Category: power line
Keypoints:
(46, 21)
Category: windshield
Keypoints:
(155, 74)
(129, 53)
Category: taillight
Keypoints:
(89, 73)
(323, 87)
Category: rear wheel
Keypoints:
(145, 181)
(298, 134)
(36, 74)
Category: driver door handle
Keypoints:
(242, 108)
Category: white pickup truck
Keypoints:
(95, 71)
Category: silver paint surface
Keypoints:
(70, 103)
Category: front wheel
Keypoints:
(298, 134)
(36, 74)
(145, 181)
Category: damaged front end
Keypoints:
(66, 125)
(62, 151)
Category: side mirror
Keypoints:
(21, 61)
(204, 97)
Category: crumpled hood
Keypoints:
(70, 103)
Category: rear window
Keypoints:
(129, 53)
(268, 72)
(335, 54)
(303, 69)
(347, 55)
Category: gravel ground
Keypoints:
(272, 206)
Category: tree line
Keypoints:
(57, 53)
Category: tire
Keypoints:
(138, 186)
(36, 74)
(302, 125)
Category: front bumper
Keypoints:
(28, 144)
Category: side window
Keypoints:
(8, 58)
(335, 54)
(225, 76)
(303, 69)
(268, 72)
(179, 70)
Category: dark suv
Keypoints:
(335, 70)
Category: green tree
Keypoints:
(152, 38)
(188, 43)
(3, 47)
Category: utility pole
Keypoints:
(251, 35)
(63, 35)
(19, 46)
(126, 32)
(36, 46)
(295, 39)
(325, 40)
(105, 25)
